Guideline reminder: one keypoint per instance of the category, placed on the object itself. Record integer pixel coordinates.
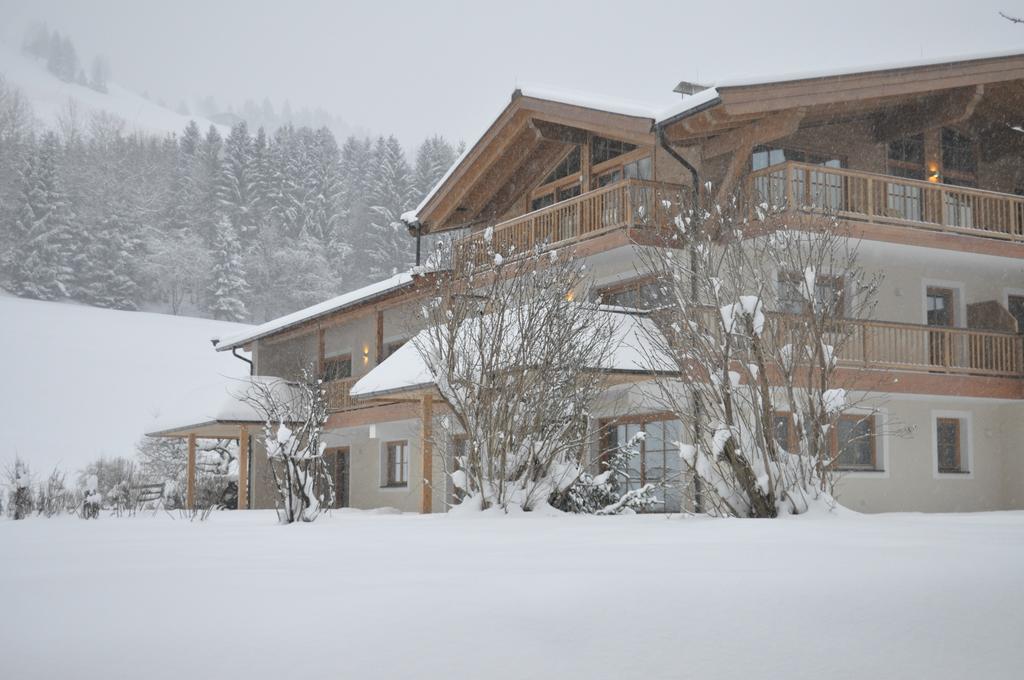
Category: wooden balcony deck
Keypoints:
(887, 345)
(890, 200)
(629, 203)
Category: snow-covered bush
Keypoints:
(294, 413)
(755, 318)
(54, 497)
(19, 490)
(518, 364)
(92, 499)
(604, 493)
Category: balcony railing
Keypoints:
(338, 398)
(887, 199)
(629, 203)
(907, 347)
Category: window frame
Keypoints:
(833, 439)
(633, 284)
(327, 361)
(388, 481)
(606, 426)
(965, 448)
(837, 280)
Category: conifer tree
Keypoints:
(433, 159)
(40, 261)
(392, 192)
(228, 287)
(236, 190)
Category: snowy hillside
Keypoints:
(49, 95)
(80, 381)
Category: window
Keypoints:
(763, 157)
(337, 367)
(638, 169)
(828, 293)
(826, 189)
(1015, 305)
(851, 442)
(608, 178)
(959, 155)
(392, 347)
(568, 192)
(855, 443)
(940, 307)
(570, 165)
(784, 430)
(396, 463)
(908, 153)
(949, 445)
(542, 202)
(603, 149)
(636, 294)
(655, 459)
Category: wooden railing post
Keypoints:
(789, 179)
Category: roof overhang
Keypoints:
(532, 129)
(210, 429)
(728, 106)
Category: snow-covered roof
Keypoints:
(374, 290)
(696, 102)
(214, 403)
(588, 100)
(856, 70)
(406, 369)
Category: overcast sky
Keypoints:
(416, 68)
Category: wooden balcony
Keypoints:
(890, 200)
(630, 203)
(338, 398)
(887, 345)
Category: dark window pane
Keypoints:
(958, 152)
(854, 437)
(542, 201)
(336, 368)
(603, 149)
(908, 150)
(947, 433)
(570, 165)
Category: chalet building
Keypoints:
(923, 163)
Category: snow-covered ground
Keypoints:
(80, 382)
(49, 97)
(362, 595)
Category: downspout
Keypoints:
(419, 236)
(659, 132)
(234, 353)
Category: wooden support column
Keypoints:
(190, 489)
(427, 452)
(243, 468)
(380, 337)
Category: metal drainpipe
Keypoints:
(419, 235)
(659, 133)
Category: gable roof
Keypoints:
(374, 291)
(515, 139)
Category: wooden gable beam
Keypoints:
(753, 135)
(759, 132)
(522, 181)
(558, 133)
(498, 175)
(933, 112)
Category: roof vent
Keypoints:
(686, 88)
